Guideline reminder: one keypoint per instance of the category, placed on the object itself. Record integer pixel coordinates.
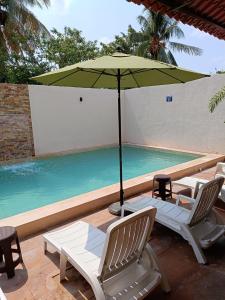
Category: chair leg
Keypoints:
(171, 190)
(10, 270)
(63, 263)
(195, 245)
(1, 256)
(45, 247)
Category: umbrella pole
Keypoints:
(120, 140)
(115, 208)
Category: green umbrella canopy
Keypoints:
(102, 72)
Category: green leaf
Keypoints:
(216, 99)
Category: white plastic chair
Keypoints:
(2, 296)
(201, 226)
(119, 264)
(194, 182)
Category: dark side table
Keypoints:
(8, 238)
(160, 189)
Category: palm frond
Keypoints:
(142, 49)
(216, 99)
(19, 12)
(143, 22)
(171, 58)
(162, 56)
(174, 31)
(33, 3)
(191, 50)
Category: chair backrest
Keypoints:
(206, 197)
(125, 242)
(220, 170)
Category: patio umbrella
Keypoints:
(118, 71)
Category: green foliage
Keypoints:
(3, 69)
(220, 72)
(216, 99)
(17, 19)
(155, 38)
(34, 50)
(42, 53)
(128, 43)
(69, 47)
(19, 67)
(20, 34)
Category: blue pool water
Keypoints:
(35, 183)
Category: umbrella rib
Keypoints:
(170, 76)
(135, 72)
(145, 70)
(124, 73)
(134, 78)
(97, 78)
(94, 71)
(63, 77)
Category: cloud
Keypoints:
(61, 7)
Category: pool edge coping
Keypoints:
(98, 147)
(42, 218)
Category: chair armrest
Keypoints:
(180, 197)
(197, 187)
(220, 170)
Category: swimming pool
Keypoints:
(38, 182)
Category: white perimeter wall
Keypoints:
(61, 122)
(184, 123)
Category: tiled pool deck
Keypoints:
(38, 278)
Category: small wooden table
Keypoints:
(8, 236)
(159, 187)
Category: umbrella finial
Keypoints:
(119, 49)
(119, 52)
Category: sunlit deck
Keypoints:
(39, 277)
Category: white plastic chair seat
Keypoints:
(119, 264)
(137, 287)
(167, 213)
(192, 182)
(132, 283)
(79, 235)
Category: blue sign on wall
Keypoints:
(169, 98)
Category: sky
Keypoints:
(101, 20)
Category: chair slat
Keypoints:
(125, 243)
(205, 200)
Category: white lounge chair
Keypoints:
(2, 296)
(201, 226)
(119, 264)
(194, 182)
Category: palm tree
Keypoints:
(216, 99)
(155, 38)
(16, 20)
